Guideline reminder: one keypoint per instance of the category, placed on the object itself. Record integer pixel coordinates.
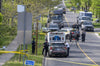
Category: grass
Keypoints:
(99, 34)
(7, 34)
(38, 59)
(96, 25)
(14, 61)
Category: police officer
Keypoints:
(83, 36)
(33, 46)
(77, 35)
(45, 48)
(68, 47)
(70, 37)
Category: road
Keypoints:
(86, 54)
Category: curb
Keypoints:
(43, 62)
(97, 35)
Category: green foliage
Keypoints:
(96, 25)
(1, 17)
(90, 5)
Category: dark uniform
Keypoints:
(83, 36)
(45, 48)
(77, 35)
(70, 37)
(33, 46)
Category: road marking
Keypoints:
(66, 20)
(87, 55)
(72, 62)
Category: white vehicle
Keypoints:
(82, 13)
(57, 45)
(66, 31)
(87, 26)
(44, 29)
(56, 37)
(83, 18)
(53, 27)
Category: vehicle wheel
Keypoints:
(92, 30)
(49, 55)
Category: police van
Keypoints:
(57, 46)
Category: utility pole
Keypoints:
(36, 35)
(0, 5)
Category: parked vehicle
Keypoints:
(63, 25)
(45, 30)
(83, 18)
(56, 42)
(87, 26)
(85, 13)
(53, 27)
(56, 36)
(57, 49)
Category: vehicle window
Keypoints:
(53, 26)
(87, 23)
(86, 18)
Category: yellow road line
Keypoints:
(87, 55)
(74, 62)
(66, 20)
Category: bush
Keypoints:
(1, 17)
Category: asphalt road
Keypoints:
(86, 54)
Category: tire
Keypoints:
(49, 54)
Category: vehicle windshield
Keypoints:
(63, 31)
(53, 26)
(57, 17)
(58, 44)
(87, 23)
(86, 18)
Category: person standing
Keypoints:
(45, 48)
(77, 35)
(33, 46)
(68, 47)
(83, 36)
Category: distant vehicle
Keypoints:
(85, 13)
(67, 31)
(56, 18)
(97, 20)
(87, 26)
(83, 18)
(63, 25)
(44, 29)
(53, 27)
(58, 49)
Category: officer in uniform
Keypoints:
(83, 36)
(45, 48)
(33, 46)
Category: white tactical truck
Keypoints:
(57, 45)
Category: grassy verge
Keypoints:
(99, 34)
(7, 34)
(37, 58)
(96, 25)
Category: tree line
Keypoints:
(89, 5)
